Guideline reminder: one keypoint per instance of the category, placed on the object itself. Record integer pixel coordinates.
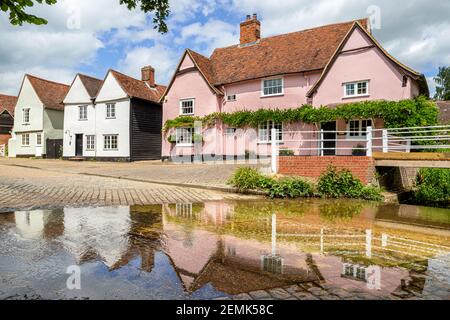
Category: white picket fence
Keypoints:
(372, 140)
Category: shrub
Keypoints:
(359, 151)
(342, 184)
(290, 188)
(286, 153)
(249, 179)
(433, 187)
(172, 138)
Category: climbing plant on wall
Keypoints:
(406, 113)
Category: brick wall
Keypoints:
(4, 138)
(312, 167)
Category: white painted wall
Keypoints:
(120, 125)
(27, 99)
(76, 97)
(97, 123)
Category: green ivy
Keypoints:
(406, 113)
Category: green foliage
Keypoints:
(360, 151)
(160, 8)
(443, 84)
(172, 138)
(342, 184)
(249, 179)
(246, 179)
(287, 153)
(17, 14)
(290, 188)
(433, 187)
(405, 113)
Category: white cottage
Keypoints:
(79, 117)
(122, 123)
(39, 117)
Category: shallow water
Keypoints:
(220, 249)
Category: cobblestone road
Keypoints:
(27, 188)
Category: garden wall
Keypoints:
(362, 168)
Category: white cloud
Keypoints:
(210, 35)
(162, 58)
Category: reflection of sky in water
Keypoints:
(216, 249)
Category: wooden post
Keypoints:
(369, 141)
(385, 141)
(275, 152)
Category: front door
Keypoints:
(329, 137)
(79, 145)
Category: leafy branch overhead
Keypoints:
(19, 11)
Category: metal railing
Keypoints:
(325, 142)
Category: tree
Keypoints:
(18, 15)
(443, 84)
(159, 7)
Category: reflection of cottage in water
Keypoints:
(40, 223)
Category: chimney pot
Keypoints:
(148, 75)
(250, 30)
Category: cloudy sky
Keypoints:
(92, 36)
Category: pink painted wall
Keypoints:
(188, 85)
(385, 81)
(248, 93)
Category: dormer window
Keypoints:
(187, 107)
(356, 89)
(82, 113)
(26, 116)
(272, 87)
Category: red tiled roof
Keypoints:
(91, 84)
(294, 52)
(137, 88)
(7, 103)
(50, 93)
(300, 51)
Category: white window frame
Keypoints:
(263, 94)
(108, 145)
(26, 115)
(110, 111)
(25, 139)
(355, 89)
(90, 142)
(39, 137)
(231, 98)
(267, 136)
(82, 113)
(183, 132)
(182, 108)
(360, 134)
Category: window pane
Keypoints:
(273, 86)
(362, 88)
(350, 89)
(187, 107)
(184, 136)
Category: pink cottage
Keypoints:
(324, 66)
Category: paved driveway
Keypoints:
(203, 175)
(28, 184)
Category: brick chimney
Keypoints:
(148, 75)
(250, 30)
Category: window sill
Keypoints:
(357, 96)
(112, 118)
(269, 143)
(184, 145)
(26, 124)
(106, 150)
(186, 114)
(82, 119)
(272, 95)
